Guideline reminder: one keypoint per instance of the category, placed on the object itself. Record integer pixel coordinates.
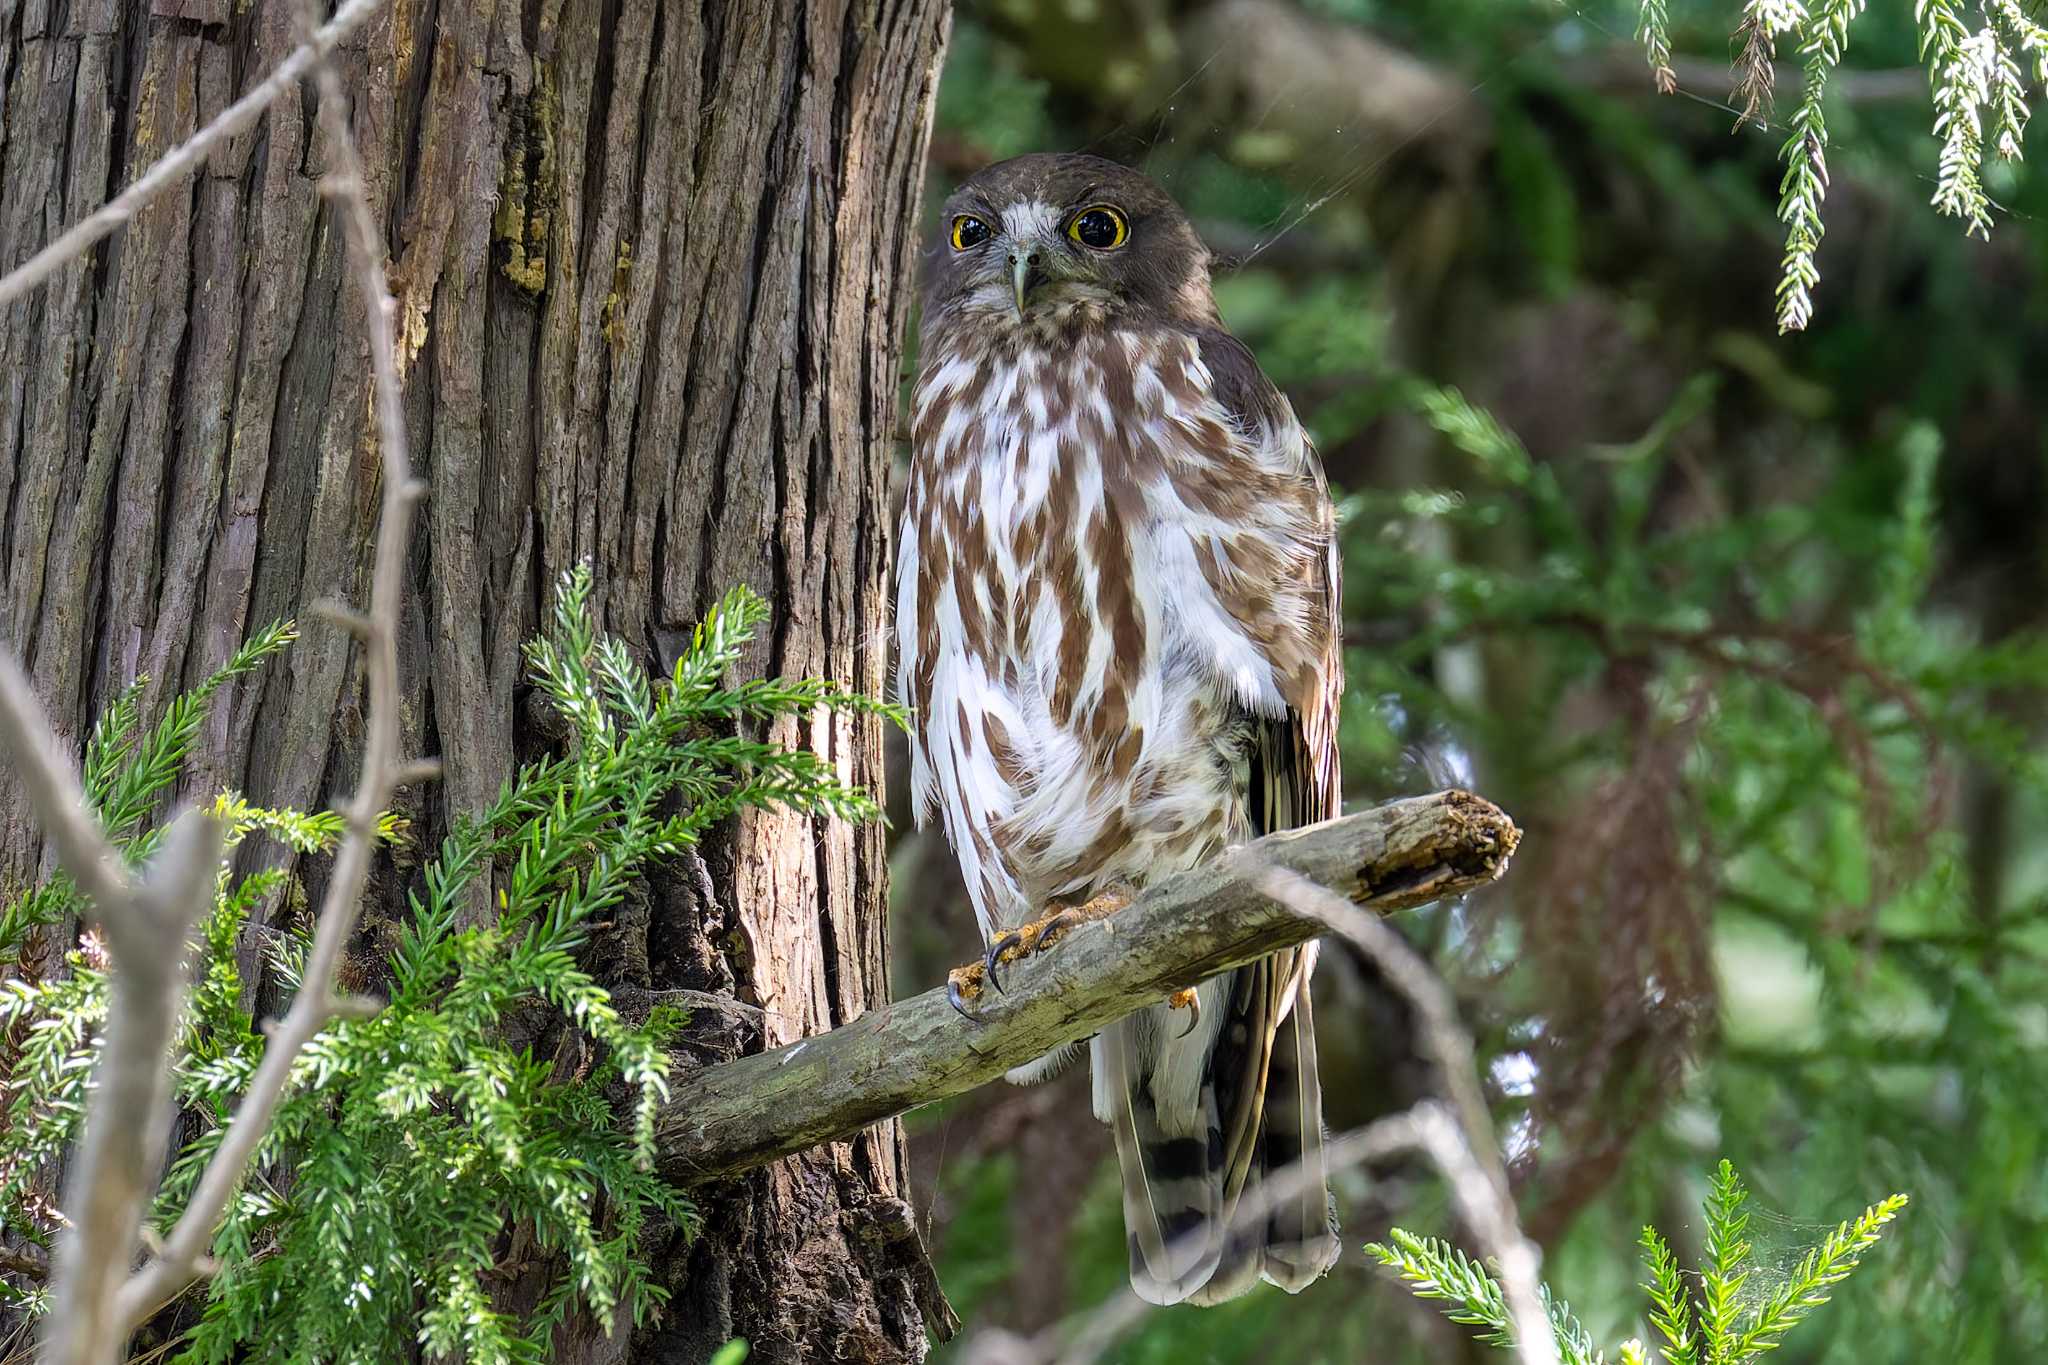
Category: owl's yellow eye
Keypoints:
(1101, 228)
(969, 231)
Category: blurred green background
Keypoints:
(1745, 631)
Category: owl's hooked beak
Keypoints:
(1025, 274)
(1020, 279)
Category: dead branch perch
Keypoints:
(737, 1115)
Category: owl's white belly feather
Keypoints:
(1078, 680)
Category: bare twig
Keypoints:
(1620, 70)
(1466, 1150)
(115, 1172)
(1443, 1038)
(1489, 1211)
(32, 749)
(1103, 1325)
(145, 925)
(186, 158)
(180, 1261)
(1429, 1127)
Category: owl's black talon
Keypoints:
(959, 1002)
(1191, 1001)
(990, 959)
(1058, 924)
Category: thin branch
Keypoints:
(182, 1257)
(145, 926)
(1620, 70)
(1429, 1127)
(1489, 1210)
(1100, 1328)
(29, 743)
(741, 1114)
(1443, 1038)
(1467, 1151)
(116, 1170)
(186, 158)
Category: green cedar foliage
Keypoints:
(1975, 80)
(411, 1140)
(1729, 1326)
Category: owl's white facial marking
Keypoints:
(1032, 218)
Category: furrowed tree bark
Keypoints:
(652, 260)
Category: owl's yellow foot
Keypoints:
(962, 985)
(1187, 999)
(1034, 937)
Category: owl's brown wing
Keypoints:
(1265, 1074)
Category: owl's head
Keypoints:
(1047, 235)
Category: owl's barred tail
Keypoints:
(1295, 1240)
(1237, 1111)
(1172, 1186)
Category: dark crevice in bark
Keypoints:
(95, 608)
(644, 115)
(176, 452)
(120, 101)
(597, 150)
(412, 100)
(10, 503)
(711, 55)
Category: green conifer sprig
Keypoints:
(125, 774)
(1959, 72)
(1726, 1269)
(1670, 1303)
(1805, 183)
(1718, 1332)
(1822, 1268)
(1434, 1269)
(1973, 77)
(2024, 32)
(1653, 31)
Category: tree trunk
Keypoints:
(652, 261)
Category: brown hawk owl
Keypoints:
(1117, 611)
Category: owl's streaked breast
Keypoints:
(1083, 530)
